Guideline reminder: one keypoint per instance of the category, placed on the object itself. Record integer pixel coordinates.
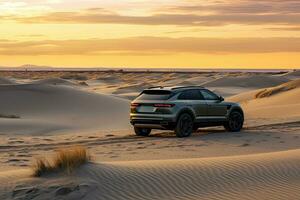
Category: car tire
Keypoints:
(184, 125)
(142, 131)
(235, 121)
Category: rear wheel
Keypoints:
(142, 131)
(184, 126)
(235, 122)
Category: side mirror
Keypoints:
(221, 98)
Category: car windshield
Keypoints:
(155, 95)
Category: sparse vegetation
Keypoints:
(275, 90)
(9, 116)
(64, 160)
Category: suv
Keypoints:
(184, 110)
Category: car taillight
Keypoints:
(134, 105)
(164, 105)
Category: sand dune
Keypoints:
(278, 89)
(263, 176)
(55, 81)
(253, 81)
(266, 92)
(283, 106)
(49, 108)
(232, 85)
(292, 75)
(4, 81)
(280, 103)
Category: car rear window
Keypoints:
(155, 95)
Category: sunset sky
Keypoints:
(151, 33)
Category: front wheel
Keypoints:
(142, 131)
(235, 122)
(184, 126)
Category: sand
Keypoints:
(47, 108)
(42, 112)
(263, 176)
(280, 103)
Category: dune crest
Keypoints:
(54, 81)
(6, 81)
(263, 176)
(281, 88)
(50, 108)
(276, 104)
(254, 81)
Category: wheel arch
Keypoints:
(236, 108)
(186, 110)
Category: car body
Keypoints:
(164, 108)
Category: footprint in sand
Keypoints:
(244, 145)
(142, 147)
(14, 160)
(48, 140)
(29, 192)
(23, 165)
(16, 142)
(23, 155)
(109, 135)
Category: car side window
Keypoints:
(208, 95)
(190, 95)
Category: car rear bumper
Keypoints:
(152, 121)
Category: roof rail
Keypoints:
(155, 87)
(182, 87)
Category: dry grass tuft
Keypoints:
(65, 160)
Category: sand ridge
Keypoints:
(50, 108)
(42, 112)
(265, 176)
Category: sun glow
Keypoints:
(40, 33)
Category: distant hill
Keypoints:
(27, 67)
(36, 67)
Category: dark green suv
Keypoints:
(184, 110)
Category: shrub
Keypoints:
(64, 160)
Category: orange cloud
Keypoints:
(213, 13)
(150, 45)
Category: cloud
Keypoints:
(272, 12)
(285, 28)
(150, 45)
(240, 6)
(161, 19)
(188, 13)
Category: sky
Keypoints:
(151, 33)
